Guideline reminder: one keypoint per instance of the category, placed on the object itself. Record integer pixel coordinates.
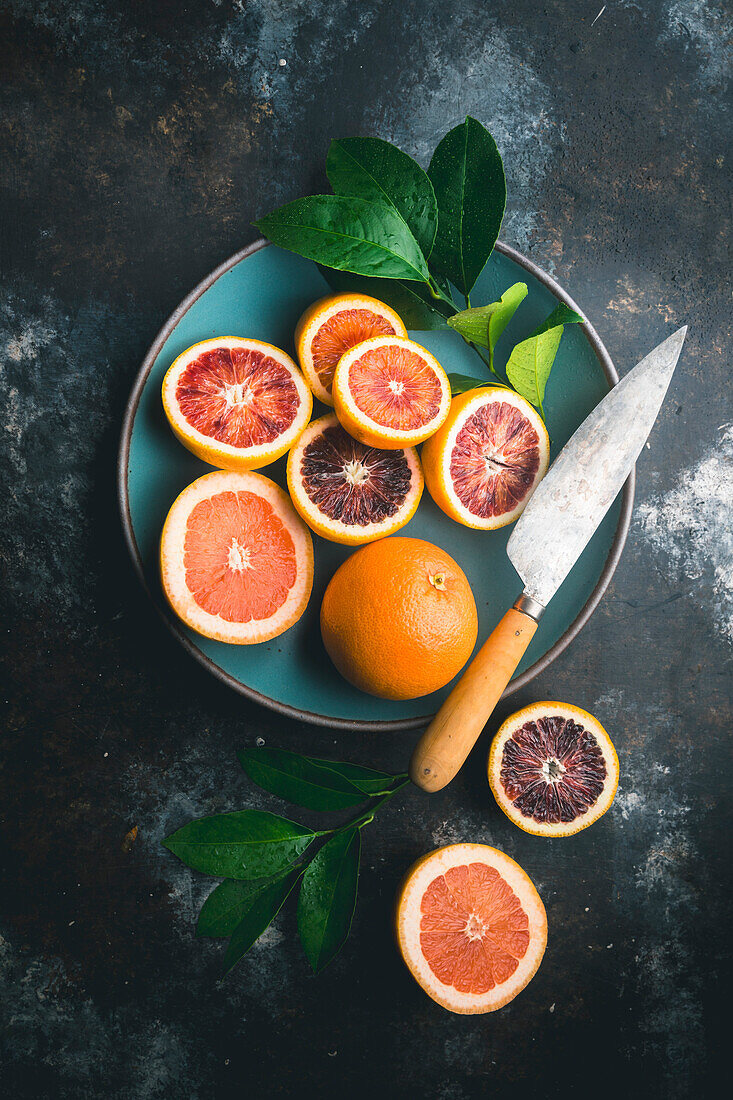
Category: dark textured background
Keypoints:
(138, 142)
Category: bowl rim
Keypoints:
(356, 724)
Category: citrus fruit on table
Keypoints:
(553, 769)
(470, 926)
(398, 618)
(390, 392)
(348, 492)
(236, 404)
(236, 559)
(484, 463)
(334, 324)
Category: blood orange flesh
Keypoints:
(495, 460)
(343, 330)
(395, 387)
(238, 396)
(236, 560)
(471, 927)
(349, 492)
(553, 769)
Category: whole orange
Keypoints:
(399, 619)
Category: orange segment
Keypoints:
(333, 325)
(236, 560)
(237, 404)
(390, 392)
(471, 927)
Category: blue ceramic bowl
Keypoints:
(260, 293)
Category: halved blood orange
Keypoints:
(236, 560)
(471, 927)
(390, 392)
(334, 324)
(237, 404)
(348, 492)
(485, 462)
(553, 769)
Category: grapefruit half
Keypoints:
(390, 392)
(236, 560)
(485, 462)
(348, 492)
(334, 324)
(237, 404)
(470, 926)
(553, 769)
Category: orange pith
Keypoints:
(390, 392)
(473, 930)
(239, 557)
(236, 560)
(333, 325)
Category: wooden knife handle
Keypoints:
(454, 730)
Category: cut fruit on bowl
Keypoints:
(485, 462)
(333, 325)
(236, 560)
(390, 392)
(237, 404)
(553, 769)
(348, 492)
(470, 927)
(398, 618)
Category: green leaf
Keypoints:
(468, 178)
(350, 234)
(561, 315)
(227, 905)
(257, 918)
(244, 845)
(413, 301)
(298, 779)
(328, 896)
(530, 364)
(462, 383)
(364, 779)
(484, 325)
(372, 169)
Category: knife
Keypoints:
(560, 518)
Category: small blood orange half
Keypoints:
(484, 464)
(390, 392)
(553, 769)
(236, 560)
(331, 326)
(237, 404)
(350, 493)
(471, 927)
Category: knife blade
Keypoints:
(585, 478)
(564, 511)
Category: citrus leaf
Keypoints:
(530, 364)
(561, 315)
(298, 779)
(413, 301)
(462, 383)
(468, 179)
(484, 325)
(364, 779)
(226, 905)
(347, 233)
(244, 845)
(328, 897)
(372, 169)
(258, 916)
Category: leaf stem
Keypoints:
(499, 381)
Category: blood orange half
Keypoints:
(348, 492)
(390, 392)
(237, 404)
(334, 324)
(484, 464)
(236, 560)
(470, 926)
(553, 769)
